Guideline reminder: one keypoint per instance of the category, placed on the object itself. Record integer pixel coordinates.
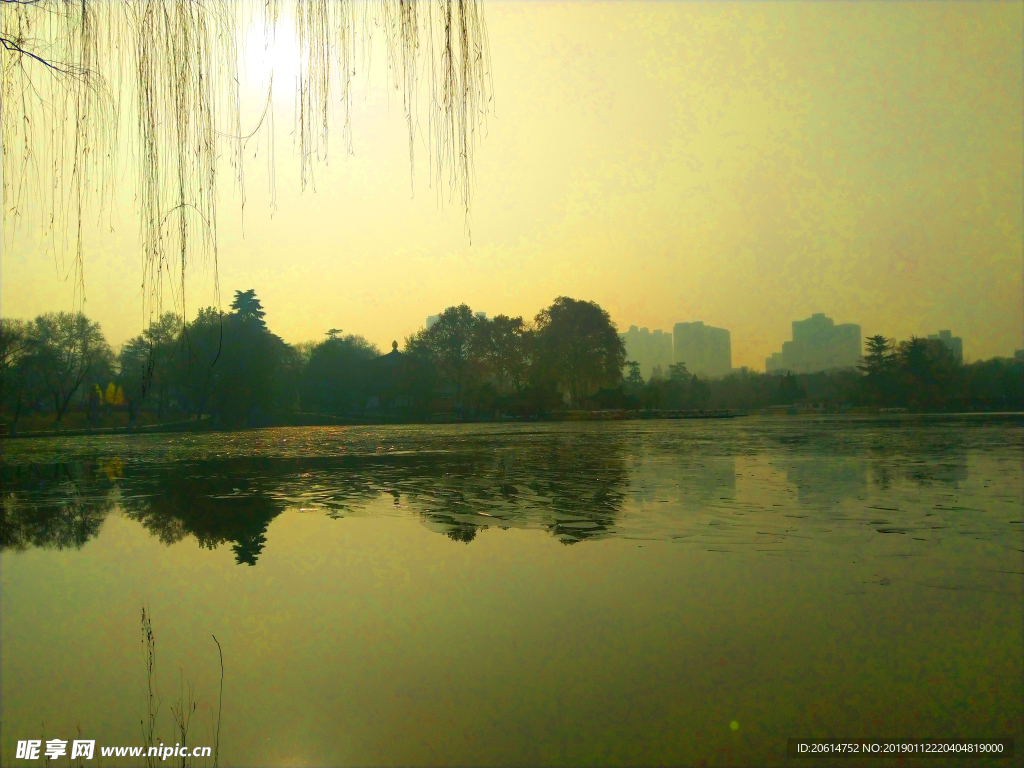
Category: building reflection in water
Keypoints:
(686, 481)
(822, 481)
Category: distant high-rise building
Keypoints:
(818, 345)
(954, 343)
(705, 351)
(649, 349)
(432, 319)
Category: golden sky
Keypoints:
(744, 164)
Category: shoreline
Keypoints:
(311, 420)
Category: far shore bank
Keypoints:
(205, 424)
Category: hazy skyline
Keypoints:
(742, 164)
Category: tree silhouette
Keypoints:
(455, 344)
(193, 366)
(634, 376)
(20, 380)
(677, 372)
(879, 366)
(879, 355)
(790, 390)
(913, 354)
(334, 379)
(700, 392)
(507, 343)
(580, 346)
(928, 373)
(67, 349)
(248, 308)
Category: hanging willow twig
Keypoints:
(79, 79)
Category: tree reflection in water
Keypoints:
(578, 483)
(215, 502)
(55, 506)
(572, 486)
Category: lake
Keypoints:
(623, 593)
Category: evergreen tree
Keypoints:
(248, 308)
(879, 367)
(634, 377)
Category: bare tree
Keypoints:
(19, 381)
(77, 75)
(67, 350)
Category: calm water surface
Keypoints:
(685, 592)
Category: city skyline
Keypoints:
(816, 348)
(817, 343)
(656, 348)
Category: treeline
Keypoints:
(229, 369)
(921, 375)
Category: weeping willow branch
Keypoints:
(82, 79)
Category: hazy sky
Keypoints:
(745, 164)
